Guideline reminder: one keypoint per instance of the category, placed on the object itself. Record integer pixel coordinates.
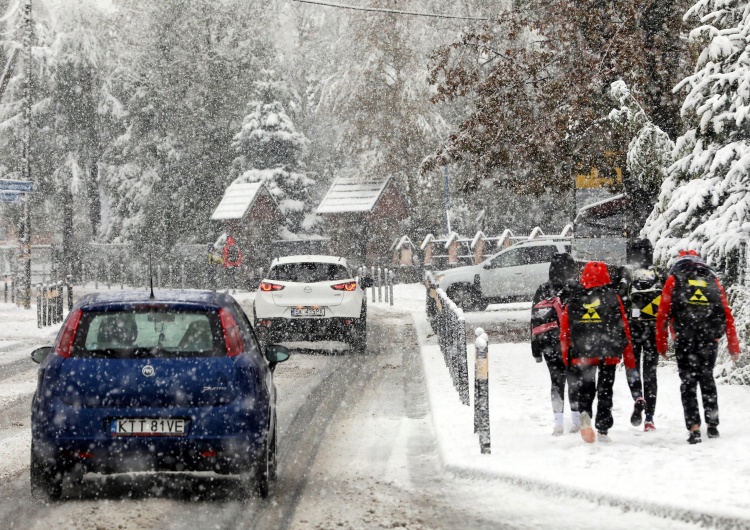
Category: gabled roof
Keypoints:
(237, 200)
(353, 194)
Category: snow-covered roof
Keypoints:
(237, 200)
(401, 242)
(353, 194)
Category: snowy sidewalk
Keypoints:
(656, 472)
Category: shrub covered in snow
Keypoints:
(727, 371)
(704, 201)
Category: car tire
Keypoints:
(467, 297)
(358, 335)
(46, 482)
(273, 464)
(254, 480)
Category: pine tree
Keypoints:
(704, 202)
(271, 151)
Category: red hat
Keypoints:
(595, 274)
(688, 253)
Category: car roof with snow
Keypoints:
(308, 258)
(160, 296)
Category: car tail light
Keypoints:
(64, 344)
(348, 286)
(232, 335)
(267, 286)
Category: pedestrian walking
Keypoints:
(643, 294)
(693, 301)
(232, 257)
(594, 337)
(546, 314)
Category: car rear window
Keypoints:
(308, 272)
(147, 334)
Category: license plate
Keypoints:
(148, 427)
(308, 312)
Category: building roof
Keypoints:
(353, 194)
(237, 200)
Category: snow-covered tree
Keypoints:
(649, 151)
(705, 200)
(271, 149)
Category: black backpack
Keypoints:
(545, 318)
(645, 294)
(233, 254)
(596, 326)
(697, 306)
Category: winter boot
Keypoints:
(638, 408)
(575, 417)
(649, 426)
(694, 438)
(587, 433)
(558, 430)
(603, 437)
(712, 431)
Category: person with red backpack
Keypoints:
(232, 258)
(546, 312)
(694, 303)
(595, 336)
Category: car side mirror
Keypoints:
(40, 354)
(366, 282)
(276, 354)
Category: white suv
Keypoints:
(306, 298)
(512, 274)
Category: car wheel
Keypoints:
(272, 464)
(465, 297)
(358, 335)
(254, 480)
(46, 481)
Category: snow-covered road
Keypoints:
(357, 450)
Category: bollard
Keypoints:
(70, 292)
(38, 305)
(374, 280)
(59, 305)
(50, 304)
(482, 392)
(6, 288)
(393, 275)
(380, 284)
(462, 362)
(12, 289)
(44, 304)
(385, 278)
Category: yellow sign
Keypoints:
(652, 307)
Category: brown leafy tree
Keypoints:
(539, 79)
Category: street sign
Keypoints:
(10, 196)
(21, 186)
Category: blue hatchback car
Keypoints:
(171, 383)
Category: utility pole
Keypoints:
(25, 232)
(447, 203)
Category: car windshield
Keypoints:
(309, 272)
(134, 334)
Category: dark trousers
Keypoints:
(559, 374)
(587, 386)
(644, 345)
(695, 364)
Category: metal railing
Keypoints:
(448, 322)
(49, 304)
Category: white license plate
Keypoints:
(308, 312)
(148, 427)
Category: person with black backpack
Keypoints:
(595, 336)
(643, 286)
(546, 312)
(694, 303)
